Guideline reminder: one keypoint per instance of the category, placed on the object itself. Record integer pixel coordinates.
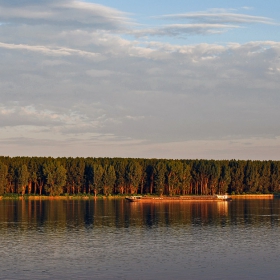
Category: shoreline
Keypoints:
(58, 197)
(144, 198)
(253, 196)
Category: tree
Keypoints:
(174, 176)
(224, 178)
(201, 176)
(109, 179)
(275, 177)
(11, 177)
(75, 174)
(237, 176)
(195, 176)
(55, 175)
(264, 177)
(186, 179)
(120, 169)
(144, 174)
(95, 179)
(150, 176)
(214, 173)
(23, 178)
(3, 177)
(159, 178)
(251, 177)
(133, 176)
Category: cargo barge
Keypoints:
(179, 198)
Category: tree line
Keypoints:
(110, 176)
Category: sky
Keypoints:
(144, 79)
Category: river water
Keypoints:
(115, 239)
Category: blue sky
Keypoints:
(164, 79)
(144, 12)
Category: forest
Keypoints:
(127, 176)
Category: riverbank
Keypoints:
(62, 197)
(253, 196)
(143, 198)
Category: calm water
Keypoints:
(115, 239)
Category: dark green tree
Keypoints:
(264, 177)
(96, 176)
(237, 176)
(55, 175)
(159, 177)
(224, 179)
(75, 175)
(22, 178)
(108, 179)
(214, 175)
(133, 176)
(120, 169)
(251, 177)
(275, 177)
(186, 179)
(3, 178)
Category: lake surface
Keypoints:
(115, 239)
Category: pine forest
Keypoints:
(128, 176)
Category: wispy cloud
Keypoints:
(54, 51)
(29, 115)
(214, 17)
(64, 14)
(81, 75)
(202, 23)
(184, 29)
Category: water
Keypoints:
(115, 239)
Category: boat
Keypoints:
(138, 198)
(133, 198)
(223, 197)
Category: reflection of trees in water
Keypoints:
(69, 214)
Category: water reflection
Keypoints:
(26, 214)
(115, 239)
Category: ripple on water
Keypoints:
(141, 245)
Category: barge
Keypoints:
(139, 198)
